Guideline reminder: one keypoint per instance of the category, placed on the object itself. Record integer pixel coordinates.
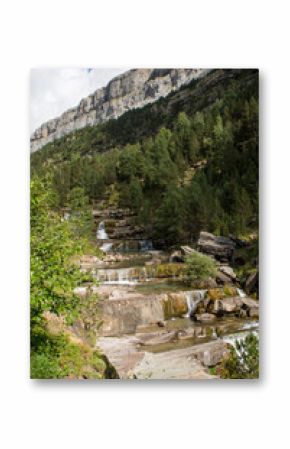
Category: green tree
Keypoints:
(170, 216)
(54, 277)
(52, 244)
(81, 218)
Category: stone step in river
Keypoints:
(154, 327)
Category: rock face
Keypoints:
(222, 248)
(123, 316)
(128, 312)
(132, 89)
(119, 223)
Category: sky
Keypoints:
(54, 90)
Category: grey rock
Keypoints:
(222, 278)
(252, 282)
(130, 90)
(221, 248)
(205, 317)
(249, 302)
(186, 250)
(232, 304)
(228, 271)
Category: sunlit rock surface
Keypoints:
(131, 90)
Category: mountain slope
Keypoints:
(131, 90)
(186, 162)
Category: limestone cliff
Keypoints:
(132, 89)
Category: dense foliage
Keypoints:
(54, 277)
(186, 163)
(243, 362)
(199, 267)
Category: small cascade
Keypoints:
(251, 325)
(241, 292)
(102, 235)
(122, 276)
(239, 337)
(193, 298)
(214, 334)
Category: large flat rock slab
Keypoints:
(131, 362)
(176, 364)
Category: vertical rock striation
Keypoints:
(132, 89)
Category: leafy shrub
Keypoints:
(243, 361)
(43, 366)
(199, 267)
(58, 358)
(54, 277)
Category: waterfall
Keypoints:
(239, 337)
(122, 276)
(193, 298)
(241, 292)
(102, 235)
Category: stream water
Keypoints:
(103, 236)
(134, 276)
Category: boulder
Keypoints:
(228, 271)
(205, 317)
(231, 304)
(222, 279)
(210, 354)
(205, 284)
(176, 256)
(222, 248)
(250, 306)
(186, 250)
(249, 303)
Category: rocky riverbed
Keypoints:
(153, 326)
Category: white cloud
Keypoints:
(53, 91)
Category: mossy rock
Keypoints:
(167, 270)
(215, 293)
(174, 305)
(230, 290)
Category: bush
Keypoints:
(199, 267)
(243, 361)
(43, 366)
(59, 358)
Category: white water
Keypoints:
(102, 235)
(232, 339)
(251, 325)
(122, 276)
(241, 292)
(193, 298)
